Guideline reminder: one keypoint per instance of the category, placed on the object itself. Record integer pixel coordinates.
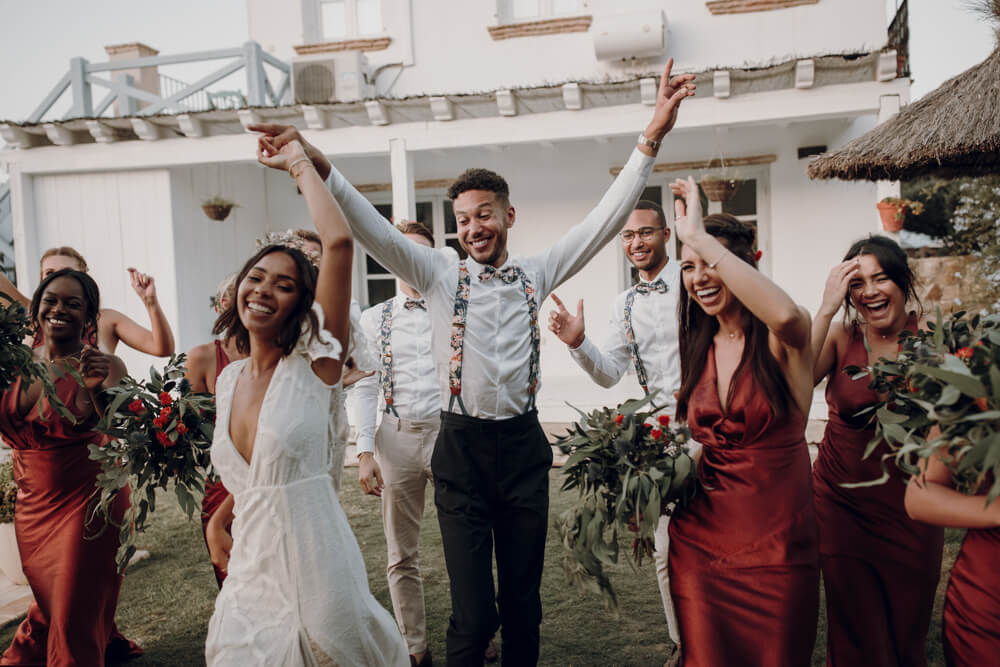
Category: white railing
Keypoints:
(83, 76)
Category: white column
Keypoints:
(22, 201)
(888, 106)
(404, 198)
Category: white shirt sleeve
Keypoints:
(363, 401)
(412, 262)
(579, 245)
(606, 365)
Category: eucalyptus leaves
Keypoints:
(628, 466)
(946, 377)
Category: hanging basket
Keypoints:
(718, 189)
(217, 212)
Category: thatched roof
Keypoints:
(952, 131)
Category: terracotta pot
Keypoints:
(217, 213)
(892, 216)
(717, 189)
(10, 558)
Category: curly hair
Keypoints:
(481, 179)
(696, 329)
(229, 323)
(91, 295)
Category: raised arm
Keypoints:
(786, 320)
(8, 288)
(579, 245)
(824, 337)
(932, 499)
(604, 365)
(413, 263)
(333, 285)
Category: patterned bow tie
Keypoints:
(508, 274)
(648, 288)
(414, 303)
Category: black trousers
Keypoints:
(491, 489)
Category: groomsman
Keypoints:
(491, 459)
(395, 460)
(643, 336)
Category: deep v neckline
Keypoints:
(723, 409)
(260, 413)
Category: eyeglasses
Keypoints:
(644, 233)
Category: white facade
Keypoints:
(136, 202)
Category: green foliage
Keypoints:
(939, 198)
(946, 377)
(8, 492)
(156, 437)
(627, 472)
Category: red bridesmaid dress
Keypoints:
(744, 559)
(215, 492)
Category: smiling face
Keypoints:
(646, 247)
(878, 299)
(269, 294)
(62, 310)
(703, 284)
(54, 263)
(483, 221)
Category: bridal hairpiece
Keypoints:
(289, 239)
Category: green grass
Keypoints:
(166, 601)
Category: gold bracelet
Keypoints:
(295, 162)
(725, 251)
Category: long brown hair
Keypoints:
(697, 329)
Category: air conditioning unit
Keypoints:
(323, 78)
(641, 34)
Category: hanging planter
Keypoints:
(894, 210)
(718, 189)
(217, 208)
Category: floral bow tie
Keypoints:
(414, 303)
(648, 288)
(508, 274)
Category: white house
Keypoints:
(404, 95)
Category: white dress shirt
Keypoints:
(415, 393)
(654, 323)
(497, 346)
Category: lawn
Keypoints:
(166, 601)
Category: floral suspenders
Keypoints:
(633, 346)
(385, 348)
(509, 275)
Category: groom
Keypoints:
(491, 459)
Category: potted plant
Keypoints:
(10, 557)
(893, 211)
(218, 208)
(717, 188)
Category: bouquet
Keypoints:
(627, 471)
(160, 431)
(948, 377)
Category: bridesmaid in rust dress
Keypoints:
(73, 576)
(204, 364)
(880, 568)
(971, 625)
(744, 559)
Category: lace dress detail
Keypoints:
(297, 591)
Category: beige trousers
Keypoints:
(661, 545)
(403, 449)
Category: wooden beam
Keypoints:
(191, 126)
(714, 163)
(146, 130)
(17, 137)
(102, 133)
(429, 184)
(746, 6)
(59, 135)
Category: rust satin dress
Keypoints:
(880, 568)
(744, 560)
(215, 492)
(971, 625)
(74, 580)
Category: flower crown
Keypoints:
(289, 239)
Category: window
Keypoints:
(531, 10)
(344, 19)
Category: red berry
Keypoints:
(619, 419)
(664, 420)
(181, 428)
(656, 433)
(165, 398)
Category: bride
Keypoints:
(296, 591)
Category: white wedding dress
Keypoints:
(297, 592)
